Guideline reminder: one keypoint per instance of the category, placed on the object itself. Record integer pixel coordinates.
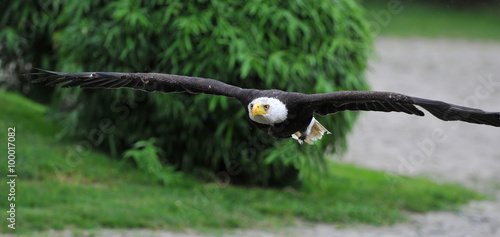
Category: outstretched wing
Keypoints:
(148, 82)
(393, 102)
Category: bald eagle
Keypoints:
(280, 114)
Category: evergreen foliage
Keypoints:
(308, 46)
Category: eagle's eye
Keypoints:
(266, 107)
(251, 106)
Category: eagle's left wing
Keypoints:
(334, 102)
(148, 82)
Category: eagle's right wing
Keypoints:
(148, 82)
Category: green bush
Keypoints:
(308, 46)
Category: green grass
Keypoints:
(61, 186)
(428, 20)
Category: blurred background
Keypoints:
(92, 161)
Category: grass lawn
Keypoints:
(414, 19)
(60, 185)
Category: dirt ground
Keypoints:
(456, 71)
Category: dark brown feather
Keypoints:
(334, 102)
(321, 104)
(149, 82)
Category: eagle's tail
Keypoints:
(314, 132)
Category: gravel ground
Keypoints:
(456, 71)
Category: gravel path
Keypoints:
(455, 71)
(459, 72)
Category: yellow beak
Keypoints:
(256, 110)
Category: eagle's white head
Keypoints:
(267, 110)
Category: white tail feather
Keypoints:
(315, 132)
